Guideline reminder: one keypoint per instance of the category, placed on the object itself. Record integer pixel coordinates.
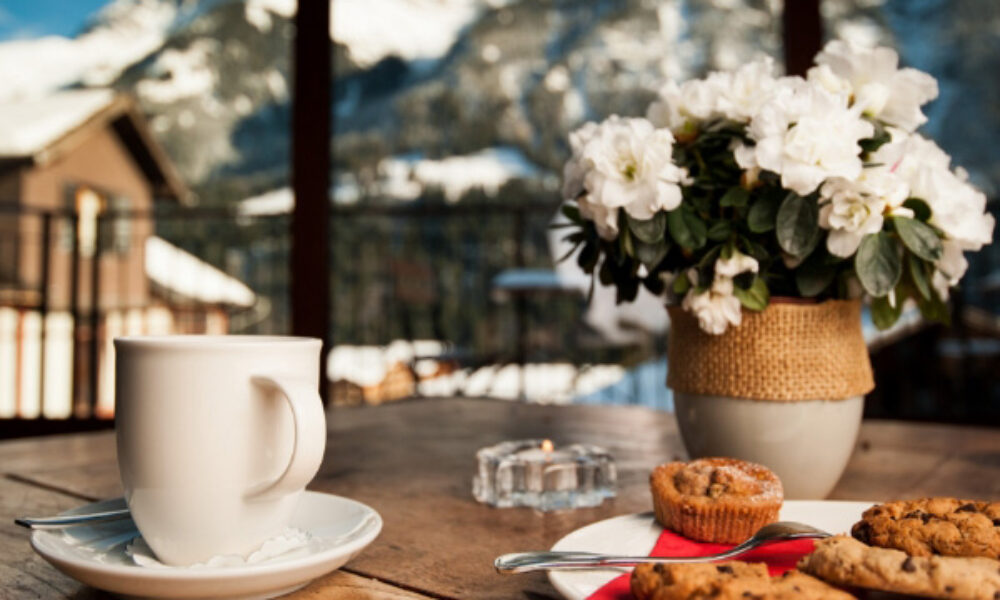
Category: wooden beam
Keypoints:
(802, 29)
(310, 273)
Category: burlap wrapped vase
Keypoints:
(784, 389)
(788, 352)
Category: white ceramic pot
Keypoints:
(806, 443)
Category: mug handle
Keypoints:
(310, 435)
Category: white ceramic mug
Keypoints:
(217, 438)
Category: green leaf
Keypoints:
(651, 254)
(878, 264)
(627, 288)
(798, 225)
(720, 230)
(762, 214)
(885, 315)
(625, 246)
(605, 274)
(921, 210)
(756, 297)
(681, 284)
(571, 212)
(701, 202)
(587, 259)
(649, 231)
(919, 238)
(934, 310)
(875, 142)
(686, 228)
(754, 249)
(654, 284)
(918, 274)
(735, 196)
(815, 275)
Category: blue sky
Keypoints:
(35, 18)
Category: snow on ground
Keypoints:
(258, 12)
(279, 201)
(127, 31)
(368, 365)
(487, 169)
(405, 176)
(556, 383)
(27, 127)
(181, 73)
(186, 275)
(542, 382)
(409, 29)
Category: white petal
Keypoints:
(843, 243)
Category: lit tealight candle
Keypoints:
(536, 473)
(544, 453)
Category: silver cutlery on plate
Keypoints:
(72, 520)
(523, 562)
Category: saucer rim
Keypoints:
(350, 548)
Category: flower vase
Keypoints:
(785, 389)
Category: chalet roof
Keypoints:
(184, 276)
(39, 130)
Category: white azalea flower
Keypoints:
(628, 164)
(879, 88)
(957, 208)
(680, 107)
(716, 308)
(735, 264)
(854, 209)
(806, 135)
(824, 76)
(574, 171)
(622, 164)
(605, 219)
(749, 88)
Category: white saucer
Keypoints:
(637, 534)
(95, 554)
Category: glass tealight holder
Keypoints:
(535, 473)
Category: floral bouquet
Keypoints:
(742, 186)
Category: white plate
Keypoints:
(637, 534)
(95, 554)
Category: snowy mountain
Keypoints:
(416, 81)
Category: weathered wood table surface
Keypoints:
(414, 462)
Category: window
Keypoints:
(102, 222)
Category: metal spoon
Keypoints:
(523, 562)
(72, 520)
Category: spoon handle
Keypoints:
(523, 562)
(71, 520)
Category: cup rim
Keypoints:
(188, 341)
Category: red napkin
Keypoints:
(779, 558)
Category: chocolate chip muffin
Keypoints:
(842, 560)
(715, 499)
(945, 526)
(725, 581)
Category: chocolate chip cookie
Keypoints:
(930, 526)
(842, 560)
(724, 581)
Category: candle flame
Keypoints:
(547, 446)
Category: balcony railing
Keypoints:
(399, 272)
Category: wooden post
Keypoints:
(310, 272)
(43, 307)
(95, 317)
(802, 32)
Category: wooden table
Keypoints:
(413, 462)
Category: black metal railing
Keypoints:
(399, 271)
